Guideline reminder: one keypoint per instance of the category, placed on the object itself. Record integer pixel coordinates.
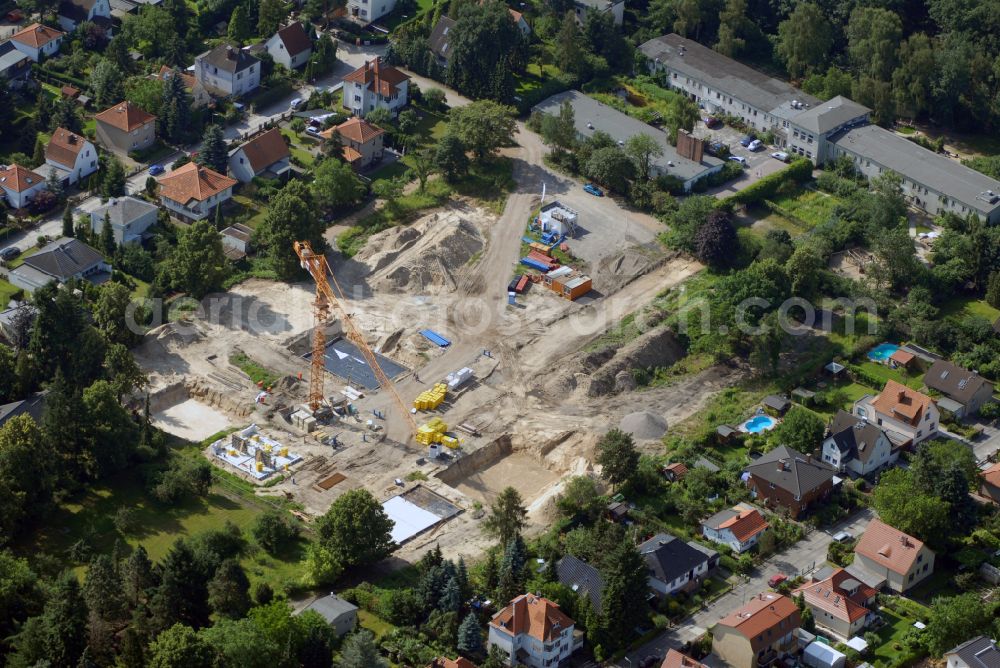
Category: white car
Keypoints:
(740, 159)
(755, 145)
(780, 155)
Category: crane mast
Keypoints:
(329, 297)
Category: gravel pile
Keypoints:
(644, 425)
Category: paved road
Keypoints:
(803, 557)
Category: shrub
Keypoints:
(273, 531)
(126, 520)
(799, 171)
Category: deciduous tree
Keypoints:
(356, 530)
(483, 126)
(804, 39)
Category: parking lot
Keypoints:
(759, 163)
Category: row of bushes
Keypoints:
(43, 73)
(799, 171)
(550, 87)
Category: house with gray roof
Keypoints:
(15, 66)
(980, 652)
(675, 565)
(227, 71)
(33, 407)
(440, 39)
(616, 8)
(591, 116)
(964, 391)
(784, 479)
(810, 130)
(583, 579)
(857, 446)
(130, 217)
(59, 261)
(338, 613)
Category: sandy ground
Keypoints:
(519, 470)
(191, 420)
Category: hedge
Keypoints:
(65, 79)
(550, 87)
(799, 171)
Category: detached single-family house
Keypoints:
(290, 46)
(912, 415)
(37, 40)
(341, 615)
(360, 141)
(125, 127)
(15, 65)
(71, 155)
(33, 407)
(20, 185)
(199, 95)
(265, 153)
(989, 483)
(533, 631)
(61, 260)
(74, 12)
(614, 7)
(129, 217)
(675, 565)
(855, 445)
(885, 556)
(839, 602)
(375, 85)
(980, 652)
(440, 40)
(788, 480)
(758, 633)
(460, 662)
(192, 192)
(227, 71)
(964, 391)
(583, 579)
(369, 10)
(675, 659)
(739, 527)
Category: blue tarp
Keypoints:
(534, 264)
(435, 338)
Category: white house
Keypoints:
(20, 185)
(192, 192)
(533, 631)
(15, 65)
(675, 565)
(369, 10)
(614, 7)
(129, 218)
(739, 527)
(979, 652)
(74, 12)
(37, 40)
(290, 46)
(857, 446)
(375, 85)
(71, 155)
(341, 615)
(227, 71)
(911, 415)
(59, 261)
(267, 152)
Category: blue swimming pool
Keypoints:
(882, 352)
(759, 423)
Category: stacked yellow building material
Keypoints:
(430, 399)
(431, 432)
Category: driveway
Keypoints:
(804, 557)
(760, 163)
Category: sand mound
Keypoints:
(644, 425)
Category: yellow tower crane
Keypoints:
(329, 297)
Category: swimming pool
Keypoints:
(882, 352)
(759, 423)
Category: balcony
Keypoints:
(767, 658)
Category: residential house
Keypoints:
(989, 483)
(980, 652)
(199, 95)
(265, 154)
(367, 11)
(341, 615)
(687, 161)
(227, 71)
(236, 241)
(71, 155)
(192, 192)
(37, 40)
(855, 445)
(20, 185)
(33, 407)
(739, 527)
(839, 602)
(16, 320)
(460, 662)
(675, 659)
(74, 12)
(129, 217)
(758, 633)
(125, 128)
(361, 142)
(583, 579)
(440, 40)
(15, 65)
(911, 416)
(614, 7)
(964, 391)
(534, 632)
(60, 261)
(375, 85)
(675, 565)
(290, 46)
(820, 131)
(521, 22)
(788, 480)
(885, 556)
(675, 471)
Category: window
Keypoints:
(239, 76)
(911, 577)
(920, 558)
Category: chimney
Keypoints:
(900, 396)
(72, 138)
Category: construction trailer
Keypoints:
(567, 283)
(558, 218)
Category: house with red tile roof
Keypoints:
(20, 185)
(192, 192)
(375, 85)
(885, 556)
(361, 142)
(989, 483)
(839, 602)
(460, 662)
(533, 631)
(911, 416)
(758, 633)
(71, 155)
(290, 47)
(675, 471)
(675, 659)
(739, 527)
(199, 94)
(267, 153)
(125, 128)
(37, 40)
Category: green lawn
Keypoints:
(250, 209)
(296, 148)
(258, 374)
(376, 625)
(892, 635)
(7, 292)
(883, 372)
(811, 206)
(967, 306)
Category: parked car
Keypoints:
(740, 159)
(776, 580)
(593, 190)
(780, 155)
(842, 537)
(745, 141)
(9, 254)
(716, 147)
(313, 129)
(711, 121)
(650, 661)
(295, 104)
(755, 145)
(155, 170)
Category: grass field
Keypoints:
(296, 149)
(966, 306)
(811, 206)
(376, 625)
(892, 635)
(885, 373)
(7, 292)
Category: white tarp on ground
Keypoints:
(409, 519)
(819, 655)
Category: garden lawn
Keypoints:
(892, 635)
(296, 149)
(885, 373)
(967, 306)
(376, 625)
(812, 207)
(7, 292)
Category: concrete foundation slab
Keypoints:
(191, 420)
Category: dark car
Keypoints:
(745, 141)
(649, 661)
(9, 253)
(155, 170)
(593, 190)
(711, 121)
(776, 580)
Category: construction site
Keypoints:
(411, 371)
